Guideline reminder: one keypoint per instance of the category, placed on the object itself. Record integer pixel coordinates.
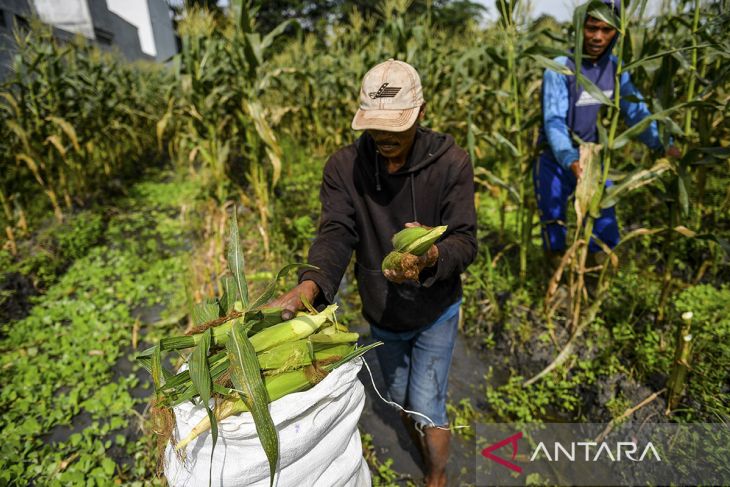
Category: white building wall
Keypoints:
(69, 15)
(136, 12)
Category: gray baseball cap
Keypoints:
(390, 98)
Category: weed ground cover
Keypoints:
(71, 401)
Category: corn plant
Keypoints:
(590, 193)
(65, 109)
(216, 121)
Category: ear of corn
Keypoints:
(417, 240)
(402, 262)
(287, 355)
(332, 329)
(294, 355)
(407, 236)
(409, 244)
(299, 327)
(326, 338)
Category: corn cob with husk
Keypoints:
(279, 345)
(408, 245)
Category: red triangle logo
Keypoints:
(510, 440)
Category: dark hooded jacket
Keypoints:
(363, 206)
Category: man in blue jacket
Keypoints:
(569, 110)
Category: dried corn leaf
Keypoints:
(590, 163)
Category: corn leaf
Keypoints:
(496, 181)
(501, 139)
(685, 232)
(203, 384)
(552, 65)
(160, 128)
(706, 155)
(177, 343)
(55, 141)
(235, 261)
(638, 128)
(273, 34)
(592, 89)
(639, 232)
(204, 312)
(603, 12)
(156, 368)
(635, 180)
(273, 150)
(68, 129)
(228, 283)
(640, 62)
(246, 376)
(146, 363)
(268, 293)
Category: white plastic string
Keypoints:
(419, 426)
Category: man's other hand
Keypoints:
(577, 170)
(416, 224)
(411, 266)
(673, 152)
(291, 302)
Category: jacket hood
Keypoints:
(615, 5)
(428, 146)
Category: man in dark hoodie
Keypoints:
(398, 174)
(569, 110)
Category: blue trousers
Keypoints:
(553, 187)
(416, 364)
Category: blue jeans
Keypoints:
(553, 186)
(416, 364)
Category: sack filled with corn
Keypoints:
(243, 356)
(408, 245)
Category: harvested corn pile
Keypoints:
(244, 357)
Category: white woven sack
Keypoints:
(318, 440)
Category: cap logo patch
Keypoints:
(385, 91)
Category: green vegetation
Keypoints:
(71, 401)
(119, 182)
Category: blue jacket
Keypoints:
(567, 108)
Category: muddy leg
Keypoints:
(437, 453)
